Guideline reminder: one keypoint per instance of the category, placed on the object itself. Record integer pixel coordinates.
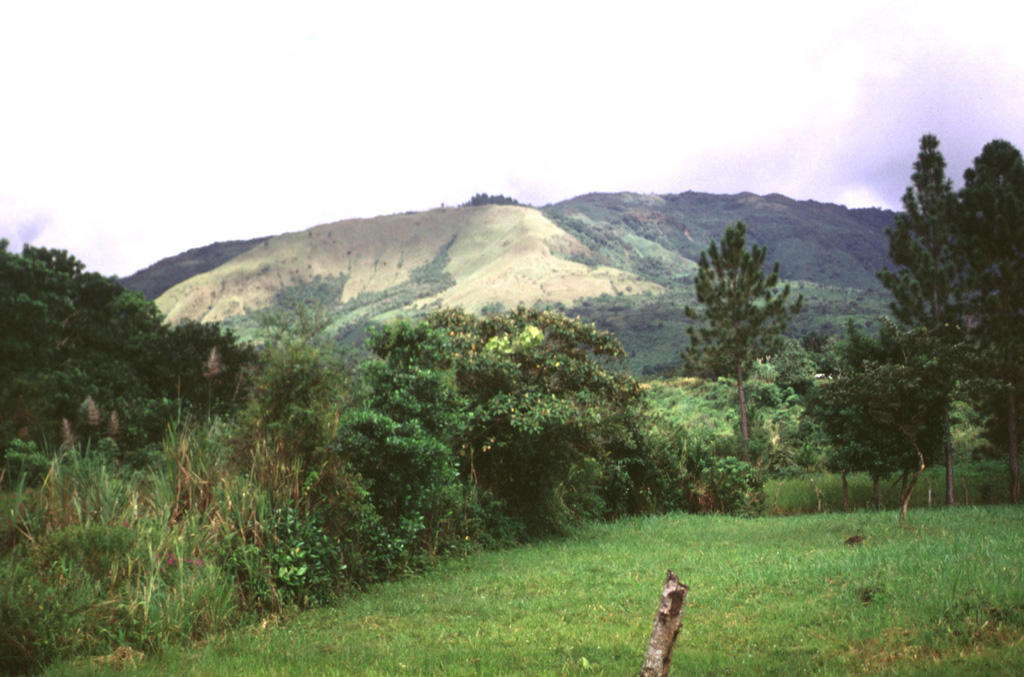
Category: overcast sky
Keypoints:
(134, 131)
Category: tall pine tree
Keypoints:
(925, 285)
(990, 235)
(743, 315)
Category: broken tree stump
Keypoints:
(667, 622)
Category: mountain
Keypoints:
(624, 261)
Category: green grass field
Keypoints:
(941, 593)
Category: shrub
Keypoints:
(545, 401)
(305, 562)
(726, 485)
(642, 475)
(25, 464)
(411, 482)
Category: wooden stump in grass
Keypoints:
(667, 622)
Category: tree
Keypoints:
(549, 410)
(883, 411)
(743, 314)
(990, 234)
(926, 284)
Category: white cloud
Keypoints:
(134, 132)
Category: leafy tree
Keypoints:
(547, 405)
(884, 410)
(990, 235)
(204, 364)
(743, 314)
(793, 367)
(926, 284)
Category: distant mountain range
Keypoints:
(624, 261)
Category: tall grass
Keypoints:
(95, 560)
(982, 483)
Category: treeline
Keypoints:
(958, 288)
(481, 199)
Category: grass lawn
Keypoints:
(941, 593)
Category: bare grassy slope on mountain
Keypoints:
(494, 253)
(154, 280)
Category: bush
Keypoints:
(24, 464)
(305, 562)
(411, 483)
(726, 485)
(643, 476)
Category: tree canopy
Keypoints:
(884, 409)
(83, 356)
(481, 199)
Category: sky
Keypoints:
(133, 131)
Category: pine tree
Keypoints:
(990, 235)
(925, 284)
(921, 244)
(743, 314)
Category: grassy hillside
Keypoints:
(828, 594)
(154, 280)
(367, 268)
(623, 261)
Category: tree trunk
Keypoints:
(876, 495)
(908, 491)
(1014, 461)
(743, 412)
(667, 622)
(846, 494)
(817, 492)
(950, 499)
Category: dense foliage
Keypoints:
(885, 410)
(547, 426)
(83, 359)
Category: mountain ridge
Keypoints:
(624, 261)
